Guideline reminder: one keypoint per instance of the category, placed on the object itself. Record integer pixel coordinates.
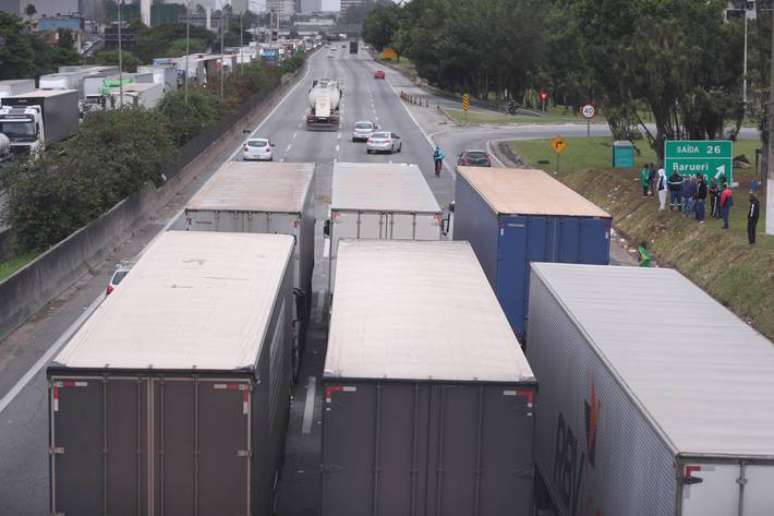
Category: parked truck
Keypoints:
(655, 400)
(38, 118)
(166, 75)
(265, 198)
(516, 216)
(173, 396)
(353, 46)
(324, 99)
(146, 95)
(428, 398)
(380, 201)
(13, 87)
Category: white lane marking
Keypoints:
(49, 354)
(338, 136)
(279, 104)
(327, 248)
(294, 135)
(491, 153)
(287, 149)
(338, 148)
(311, 394)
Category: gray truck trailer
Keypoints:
(428, 398)
(172, 398)
(265, 198)
(655, 400)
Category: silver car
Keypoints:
(383, 142)
(363, 130)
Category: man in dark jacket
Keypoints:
(752, 217)
(675, 189)
(701, 196)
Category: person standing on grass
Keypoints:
(652, 179)
(438, 156)
(675, 189)
(726, 202)
(661, 188)
(714, 193)
(701, 196)
(752, 217)
(645, 180)
(689, 194)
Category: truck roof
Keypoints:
(701, 375)
(527, 191)
(41, 94)
(381, 187)
(195, 300)
(262, 187)
(418, 311)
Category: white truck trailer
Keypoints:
(38, 118)
(380, 201)
(173, 396)
(265, 198)
(12, 87)
(654, 400)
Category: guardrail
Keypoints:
(417, 100)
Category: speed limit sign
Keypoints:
(588, 111)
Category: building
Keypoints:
(346, 4)
(310, 6)
(286, 9)
(43, 7)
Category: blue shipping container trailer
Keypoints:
(513, 217)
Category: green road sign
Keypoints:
(712, 158)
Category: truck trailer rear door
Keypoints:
(727, 489)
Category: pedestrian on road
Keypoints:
(714, 193)
(438, 156)
(661, 188)
(675, 189)
(726, 202)
(752, 217)
(645, 180)
(701, 196)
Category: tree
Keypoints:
(129, 61)
(65, 39)
(678, 58)
(113, 155)
(30, 10)
(187, 119)
(25, 54)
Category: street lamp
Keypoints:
(120, 60)
(744, 12)
(187, 48)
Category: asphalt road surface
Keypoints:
(24, 354)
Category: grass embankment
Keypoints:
(721, 262)
(11, 265)
(553, 115)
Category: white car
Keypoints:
(383, 142)
(120, 273)
(363, 130)
(257, 149)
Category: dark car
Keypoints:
(474, 158)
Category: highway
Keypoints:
(24, 354)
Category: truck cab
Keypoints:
(24, 128)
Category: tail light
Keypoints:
(109, 289)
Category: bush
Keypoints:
(111, 157)
(294, 63)
(129, 61)
(187, 119)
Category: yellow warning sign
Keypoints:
(389, 53)
(466, 102)
(558, 145)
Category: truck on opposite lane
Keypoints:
(655, 400)
(38, 118)
(428, 398)
(173, 396)
(265, 198)
(380, 201)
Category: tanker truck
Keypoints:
(324, 99)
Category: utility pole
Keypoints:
(744, 66)
(770, 159)
(241, 40)
(120, 60)
(222, 50)
(187, 48)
